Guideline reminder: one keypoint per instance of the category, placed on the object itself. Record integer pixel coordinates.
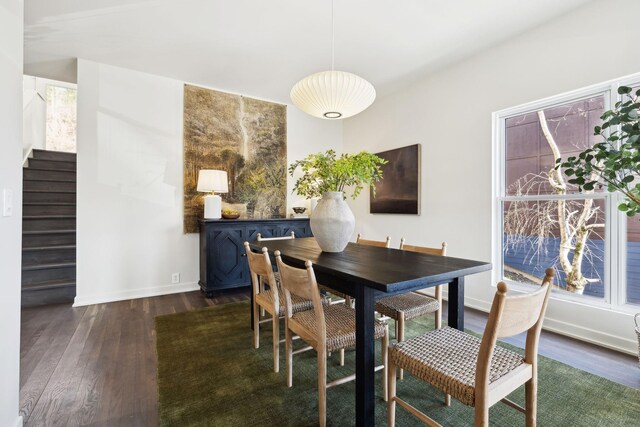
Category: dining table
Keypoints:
(369, 273)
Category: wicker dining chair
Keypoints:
(348, 300)
(411, 305)
(326, 328)
(271, 300)
(259, 238)
(378, 243)
(475, 371)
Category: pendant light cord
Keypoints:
(333, 38)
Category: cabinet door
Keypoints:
(266, 230)
(230, 261)
(300, 228)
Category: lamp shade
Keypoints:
(333, 94)
(212, 181)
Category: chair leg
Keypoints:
(391, 393)
(276, 343)
(256, 326)
(385, 358)
(342, 357)
(262, 311)
(396, 330)
(482, 416)
(531, 400)
(322, 386)
(447, 399)
(289, 355)
(438, 313)
(400, 337)
(347, 301)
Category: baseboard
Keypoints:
(135, 293)
(602, 339)
(19, 421)
(581, 333)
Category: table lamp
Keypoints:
(213, 181)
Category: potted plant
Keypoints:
(328, 175)
(616, 160)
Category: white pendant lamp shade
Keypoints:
(333, 94)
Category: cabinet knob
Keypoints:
(244, 255)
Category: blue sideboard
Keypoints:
(223, 262)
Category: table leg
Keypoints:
(456, 303)
(365, 357)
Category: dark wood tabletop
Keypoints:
(389, 271)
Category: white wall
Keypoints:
(34, 113)
(449, 113)
(10, 227)
(130, 236)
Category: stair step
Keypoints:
(52, 222)
(48, 266)
(48, 175)
(52, 292)
(48, 196)
(52, 284)
(33, 275)
(54, 155)
(42, 238)
(52, 164)
(45, 209)
(41, 255)
(45, 185)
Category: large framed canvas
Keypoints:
(243, 136)
(399, 190)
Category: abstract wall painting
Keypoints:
(399, 190)
(247, 138)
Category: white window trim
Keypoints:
(615, 271)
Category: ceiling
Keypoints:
(262, 48)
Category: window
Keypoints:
(61, 118)
(543, 221)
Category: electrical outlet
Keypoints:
(175, 278)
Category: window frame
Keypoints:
(615, 256)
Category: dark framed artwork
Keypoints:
(399, 190)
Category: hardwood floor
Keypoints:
(96, 365)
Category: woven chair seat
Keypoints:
(412, 304)
(446, 358)
(341, 325)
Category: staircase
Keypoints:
(49, 229)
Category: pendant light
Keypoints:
(333, 94)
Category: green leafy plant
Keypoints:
(322, 172)
(615, 161)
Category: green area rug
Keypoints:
(209, 375)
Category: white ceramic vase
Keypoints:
(332, 222)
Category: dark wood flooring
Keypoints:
(96, 365)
